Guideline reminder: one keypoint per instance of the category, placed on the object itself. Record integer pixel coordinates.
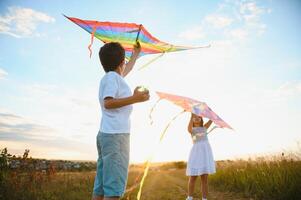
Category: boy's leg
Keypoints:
(204, 185)
(97, 198)
(191, 184)
(111, 198)
(115, 152)
(98, 182)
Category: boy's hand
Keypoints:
(140, 96)
(137, 49)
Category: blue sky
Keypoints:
(251, 75)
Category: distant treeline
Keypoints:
(26, 163)
(26, 178)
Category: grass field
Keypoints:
(171, 185)
(167, 185)
(240, 180)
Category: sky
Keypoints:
(250, 76)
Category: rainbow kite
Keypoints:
(127, 34)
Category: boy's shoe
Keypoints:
(189, 198)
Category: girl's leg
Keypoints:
(204, 185)
(191, 184)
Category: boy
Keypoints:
(116, 101)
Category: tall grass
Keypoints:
(277, 179)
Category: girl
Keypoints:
(200, 162)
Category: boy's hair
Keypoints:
(111, 55)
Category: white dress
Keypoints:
(200, 158)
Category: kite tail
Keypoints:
(167, 126)
(143, 178)
(134, 186)
(151, 157)
(151, 112)
(151, 61)
(92, 38)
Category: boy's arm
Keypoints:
(129, 66)
(111, 103)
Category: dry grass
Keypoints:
(278, 179)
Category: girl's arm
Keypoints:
(190, 125)
(207, 125)
(129, 66)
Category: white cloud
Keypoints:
(19, 128)
(63, 107)
(193, 34)
(19, 133)
(289, 88)
(231, 20)
(250, 11)
(218, 21)
(22, 22)
(3, 73)
(251, 14)
(60, 96)
(240, 34)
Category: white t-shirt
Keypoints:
(115, 120)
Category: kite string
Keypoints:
(92, 38)
(151, 157)
(214, 127)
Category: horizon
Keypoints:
(296, 155)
